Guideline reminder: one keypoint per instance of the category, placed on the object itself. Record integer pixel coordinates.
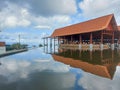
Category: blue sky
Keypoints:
(34, 19)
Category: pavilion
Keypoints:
(101, 33)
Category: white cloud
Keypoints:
(42, 27)
(14, 69)
(13, 15)
(11, 21)
(34, 14)
(53, 7)
(93, 82)
(95, 8)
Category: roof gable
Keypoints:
(85, 27)
(112, 25)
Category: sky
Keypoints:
(34, 19)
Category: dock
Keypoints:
(12, 52)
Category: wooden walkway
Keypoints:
(12, 52)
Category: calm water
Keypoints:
(62, 70)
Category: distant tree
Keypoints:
(16, 46)
(40, 45)
(19, 46)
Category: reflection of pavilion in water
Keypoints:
(101, 63)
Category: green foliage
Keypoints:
(16, 46)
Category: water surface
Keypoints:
(67, 69)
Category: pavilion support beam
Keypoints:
(64, 40)
(47, 41)
(91, 44)
(80, 40)
(54, 44)
(50, 42)
(119, 42)
(102, 38)
(71, 39)
(44, 43)
(58, 41)
(47, 44)
(112, 43)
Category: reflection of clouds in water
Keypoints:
(14, 70)
(49, 81)
(93, 82)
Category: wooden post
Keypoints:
(90, 38)
(47, 43)
(113, 38)
(91, 45)
(71, 39)
(101, 43)
(112, 44)
(80, 40)
(58, 41)
(54, 44)
(50, 45)
(44, 43)
(63, 39)
(119, 41)
(101, 38)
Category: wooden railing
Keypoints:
(84, 46)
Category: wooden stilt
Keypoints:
(91, 45)
(71, 39)
(90, 38)
(101, 43)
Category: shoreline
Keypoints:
(12, 52)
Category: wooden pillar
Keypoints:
(101, 54)
(80, 40)
(112, 43)
(101, 43)
(113, 38)
(47, 43)
(91, 38)
(50, 45)
(71, 39)
(50, 42)
(63, 39)
(91, 55)
(54, 44)
(101, 38)
(67, 39)
(58, 41)
(44, 43)
(91, 45)
(119, 41)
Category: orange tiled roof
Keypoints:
(119, 28)
(2, 43)
(84, 27)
